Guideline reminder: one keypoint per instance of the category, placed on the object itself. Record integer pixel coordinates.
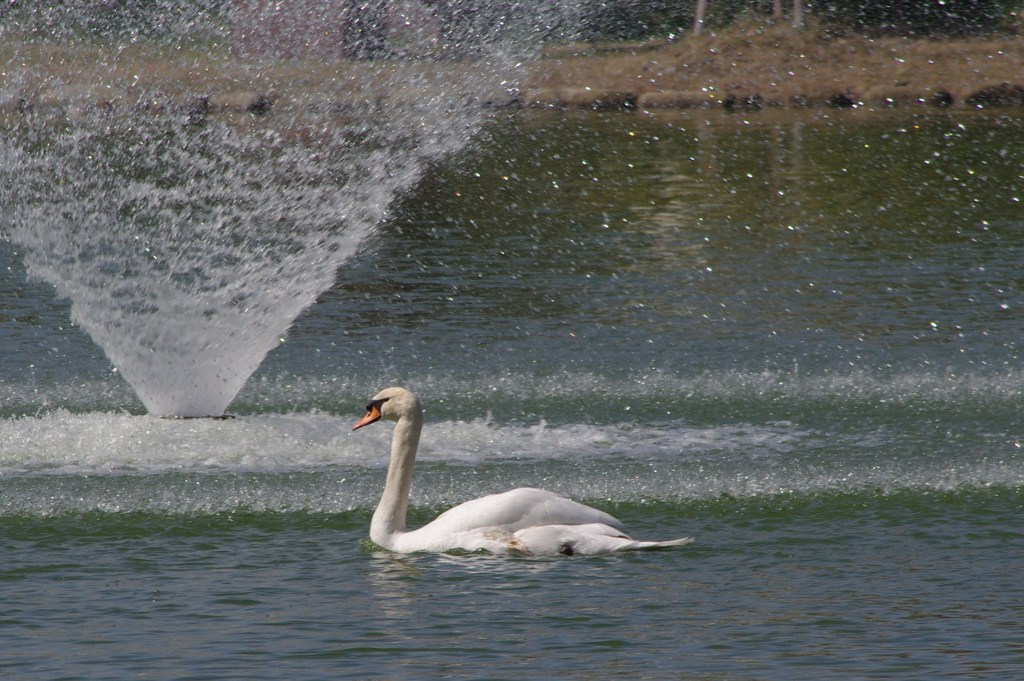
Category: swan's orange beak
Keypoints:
(372, 414)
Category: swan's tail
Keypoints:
(641, 545)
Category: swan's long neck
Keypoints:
(389, 518)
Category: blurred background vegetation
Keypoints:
(598, 20)
(639, 19)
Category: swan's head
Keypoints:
(391, 404)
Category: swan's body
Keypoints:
(526, 521)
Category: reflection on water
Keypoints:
(869, 241)
(879, 230)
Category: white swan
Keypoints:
(525, 521)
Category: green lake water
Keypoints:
(795, 337)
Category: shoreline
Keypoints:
(773, 67)
(782, 67)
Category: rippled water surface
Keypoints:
(796, 339)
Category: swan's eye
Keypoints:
(376, 403)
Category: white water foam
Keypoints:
(844, 438)
(63, 443)
(61, 462)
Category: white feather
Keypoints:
(526, 520)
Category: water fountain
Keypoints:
(191, 175)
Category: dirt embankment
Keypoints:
(785, 68)
(737, 69)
